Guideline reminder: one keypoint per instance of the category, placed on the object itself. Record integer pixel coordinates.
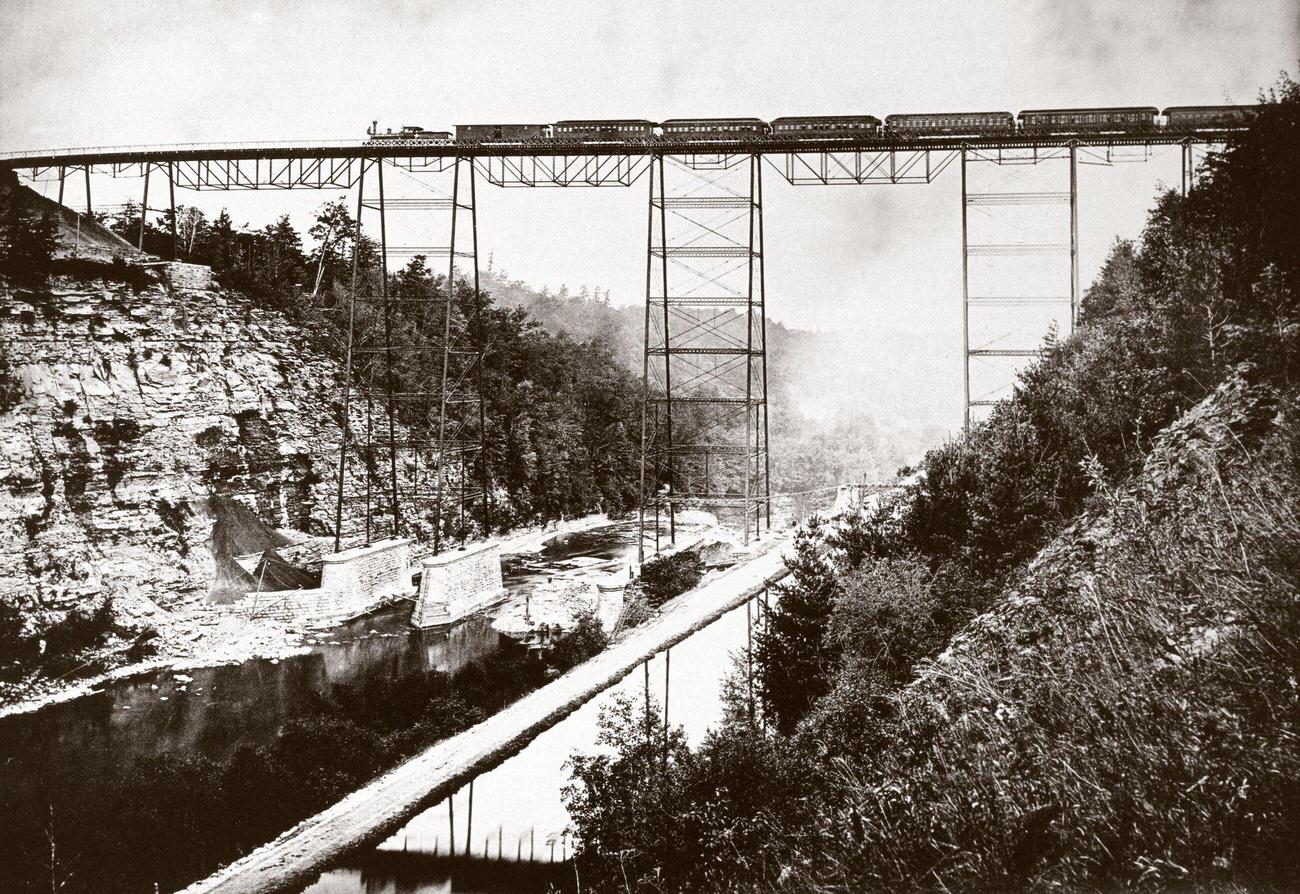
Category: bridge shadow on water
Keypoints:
(398, 872)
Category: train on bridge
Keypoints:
(1124, 120)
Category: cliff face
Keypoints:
(153, 436)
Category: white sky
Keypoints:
(884, 259)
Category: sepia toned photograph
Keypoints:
(607, 447)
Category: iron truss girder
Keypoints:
(863, 167)
(563, 170)
(252, 174)
(700, 152)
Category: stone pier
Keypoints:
(352, 582)
(459, 583)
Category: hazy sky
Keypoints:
(884, 259)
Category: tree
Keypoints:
(190, 222)
(333, 231)
(283, 265)
(794, 658)
(27, 242)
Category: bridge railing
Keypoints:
(181, 147)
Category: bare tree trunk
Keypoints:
(320, 267)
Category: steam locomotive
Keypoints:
(1034, 122)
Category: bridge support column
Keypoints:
(171, 197)
(1074, 235)
(1185, 167)
(462, 423)
(704, 433)
(442, 419)
(1013, 290)
(345, 421)
(144, 206)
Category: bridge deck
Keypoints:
(368, 816)
(766, 145)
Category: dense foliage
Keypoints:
(587, 639)
(562, 413)
(77, 643)
(27, 238)
(944, 713)
(664, 577)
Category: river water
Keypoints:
(518, 808)
(71, 747)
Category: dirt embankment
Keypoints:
(80, 235)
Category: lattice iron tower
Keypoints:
(704, 428)
(1020, 266)
(425, 442)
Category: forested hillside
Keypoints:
(841, 405)
(562, 413)
(822, 433)
(1066, 656)
(150, 432)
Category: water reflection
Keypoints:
(211, 711)
(77, 753)
(387, 873)
(517, 807)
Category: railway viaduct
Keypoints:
(705, 345)
(704, 351)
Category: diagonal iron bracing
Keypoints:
(705, 354)
(704, 436)
(996, 227)
(422, 451)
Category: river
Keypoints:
(61, 766)
(518, 808)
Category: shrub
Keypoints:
(79, 629)
(17, 646)
(1130, 715)
(572, 648)
(664, 577)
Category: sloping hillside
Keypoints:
(845, 406)
(1125, 712)
(1064, 656)
(78, 236)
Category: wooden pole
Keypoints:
(469, 819)
(451, 826)
(749, 656)
(668, 654)
(645, 665)
(144, 207)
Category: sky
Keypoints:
(884, 261)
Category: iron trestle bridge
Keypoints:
(704, 421)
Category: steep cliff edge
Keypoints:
(152, 436)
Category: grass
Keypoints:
(1128, 715)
